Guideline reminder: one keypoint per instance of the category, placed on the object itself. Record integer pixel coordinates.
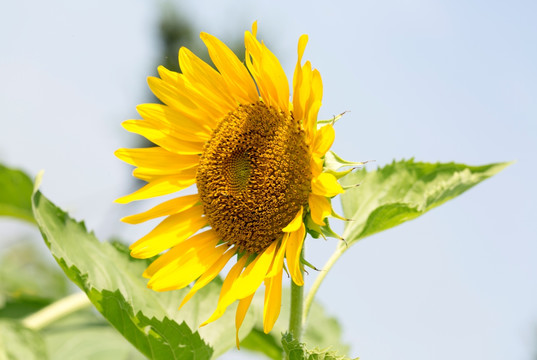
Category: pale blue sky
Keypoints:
(435, 80)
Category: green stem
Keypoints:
(322, 274)
(56, 310)
(297, 307)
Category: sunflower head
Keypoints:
(256, 157)
(254, 176)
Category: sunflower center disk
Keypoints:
(254, 176)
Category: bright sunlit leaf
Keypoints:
(113, 282)
(402, 191)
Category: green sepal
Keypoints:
(321, 123)
(350, 186)
(328, 232)
(337, 216)
(338, 174)
(333, 161)
(308, 264)
(312, 228)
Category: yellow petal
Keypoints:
(205, 79)
(277, 264)
(235, 74)
(302, 91)
(148, 174)
(204, 239)
(273, 301)
(157, 135)
(320, 208)
(252, 277)
(169, 207)
(307, 97)
(298, 103)
(254, 28)
(317, 85)
(316, 164)
(253, 51)
(295, 223)
(268, 73)
(209, 275)
(311, 119)
(171, 77)
(223, 300)
(156, 158)
(152, 175)
(163, 185)
(323, 140)
(326, 185)
(242, 309)
(176, 96)
(272, 69)
(175, 123)
(178, 274)
(292, 253)
(183, 98)
(169, 233)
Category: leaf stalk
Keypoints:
(56, 310)
(317, 283)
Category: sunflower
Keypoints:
(256, 159)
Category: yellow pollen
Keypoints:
(254, 176)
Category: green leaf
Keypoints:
(114, 284)
(20, 343)
(16, 191)
(298, 351)
(403, 191)
(84, 335)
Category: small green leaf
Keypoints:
(403, 191)
(15, 193)
(20, 343)
(298, 351)
(328, 232)
(333, 120)
(114, 284)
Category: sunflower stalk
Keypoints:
(296, 320)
